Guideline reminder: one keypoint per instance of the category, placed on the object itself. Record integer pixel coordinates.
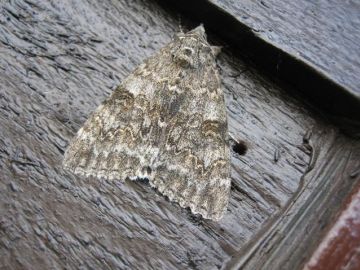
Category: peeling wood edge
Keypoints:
(339, 249)
(321, 90)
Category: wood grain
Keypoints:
(340, 247)
(324, 34)
(59, 60)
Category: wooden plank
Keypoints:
(311, 45)
(340, 248)
(288, 240)
(58, 61)
(323, 34)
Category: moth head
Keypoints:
(192, 50)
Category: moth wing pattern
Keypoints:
(165, 122)
(112, 143)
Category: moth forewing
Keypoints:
(166, 122)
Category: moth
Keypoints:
(166, 122)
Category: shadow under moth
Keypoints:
(166, 122)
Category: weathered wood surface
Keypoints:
(311, 45)
(325, 34)
(58, 61)
(340, 247)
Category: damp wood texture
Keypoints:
(291, 168)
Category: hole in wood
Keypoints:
(240, 148)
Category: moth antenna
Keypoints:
(180, 24)
(233, 138)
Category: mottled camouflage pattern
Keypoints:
(165, 122)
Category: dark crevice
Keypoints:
(240, 148)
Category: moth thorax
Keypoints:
(185, 57)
